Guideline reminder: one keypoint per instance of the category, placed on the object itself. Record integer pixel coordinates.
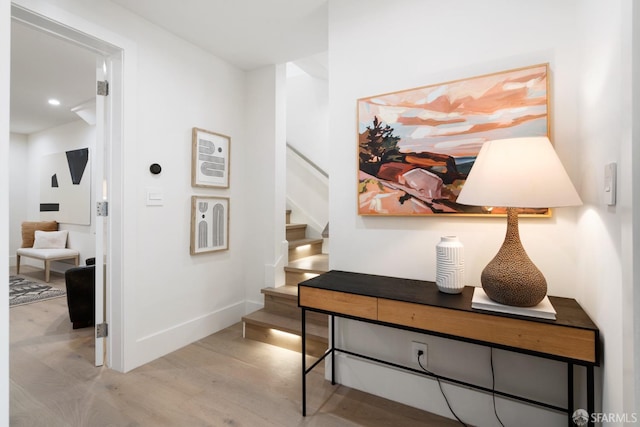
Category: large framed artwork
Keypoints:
(65, 187)
(417, 146)
(209, 224)
(210, 154)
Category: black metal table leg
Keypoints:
(333, 353)
(304, 363)
(590, 394)
(570, 398)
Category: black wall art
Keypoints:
(65, 187)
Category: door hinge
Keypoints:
(102, 208)
(103, 87)
(102, 330)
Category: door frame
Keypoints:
(121, 128)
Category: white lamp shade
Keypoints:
(518, 173)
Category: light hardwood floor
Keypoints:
(221, 380)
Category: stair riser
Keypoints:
(281, 312)
(296, 233)
(292, 278)
(282, 306)
(319, 318)
(314, 348)
(304, 251)
(288, 307)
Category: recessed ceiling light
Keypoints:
(53, 101)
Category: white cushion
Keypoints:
(50, 239)
(48, 253)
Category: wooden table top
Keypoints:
(568, 311)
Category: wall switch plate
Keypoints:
(610, 183)
(154, 197)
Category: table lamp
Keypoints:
(516, 173)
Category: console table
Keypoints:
(418, 306)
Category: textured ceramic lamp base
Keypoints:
(511, 278)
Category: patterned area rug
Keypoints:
(23, 291)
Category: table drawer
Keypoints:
(562, 341)
(338, 302)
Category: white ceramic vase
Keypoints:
(450, 265)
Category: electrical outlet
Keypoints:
(415, 348)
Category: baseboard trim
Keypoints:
(166, 341)
(423, 393)
(251, 306)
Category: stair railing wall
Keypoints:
(307, 192)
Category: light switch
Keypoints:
(155, 197)
(610, 183)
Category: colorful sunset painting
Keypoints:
(416, 147)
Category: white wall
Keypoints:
(179, 297)
(308, 117)
(376, 47)
(265, 172)
(18, 191)
(308, 133)
(356, 72)
(5, 55)
(25, 188)
(307, 195)
(169, 297)
(632, 175)
(605, 265)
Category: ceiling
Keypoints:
(44, 67)
(246, 33)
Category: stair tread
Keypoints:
(287, 324)
(281, 311)
(294, 225)
(311, 264)
(286, 291)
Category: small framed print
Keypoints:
(210, 159)
(209, 224)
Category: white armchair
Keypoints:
(42, 240)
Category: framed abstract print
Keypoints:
(417, 146)
(209, 224)
(210, 159)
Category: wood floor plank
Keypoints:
(221, 380)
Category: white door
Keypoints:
(102, 196)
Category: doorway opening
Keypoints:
(101, 132)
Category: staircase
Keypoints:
(279, 322)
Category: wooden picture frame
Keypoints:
(416, 146)
(210, 159)
(209, 224)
